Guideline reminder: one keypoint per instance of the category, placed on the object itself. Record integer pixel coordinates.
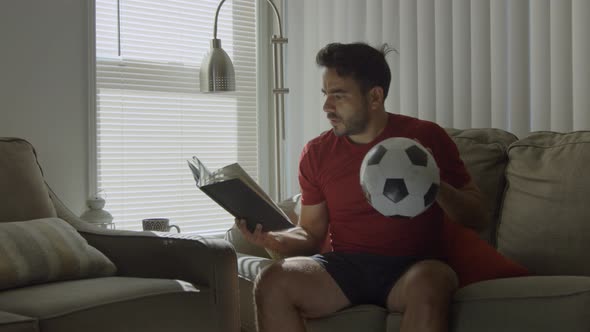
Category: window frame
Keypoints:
(263, 95)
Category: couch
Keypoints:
(537, 192)
(58, 273)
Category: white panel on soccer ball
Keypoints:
(373, 179)
(382, 204)
(404, 143)
(363, 171)
(410, 206)
(395, 164)
(419, 179)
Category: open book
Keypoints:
(234, 190)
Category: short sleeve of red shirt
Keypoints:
(311, 192)
(446, 154)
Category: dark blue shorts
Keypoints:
(365, 278)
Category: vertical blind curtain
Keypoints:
(518, 65)
(151, 116)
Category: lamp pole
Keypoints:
(279, 92)
(217, 74)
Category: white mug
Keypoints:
(158, 224)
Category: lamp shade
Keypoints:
(217, 71)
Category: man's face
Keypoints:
(346, 107)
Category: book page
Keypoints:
(201, 174)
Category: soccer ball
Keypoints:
(399, 177)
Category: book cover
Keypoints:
(233, 189)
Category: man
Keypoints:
(392, 262)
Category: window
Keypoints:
(151, 116)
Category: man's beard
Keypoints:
(354, 125)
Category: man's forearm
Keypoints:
(292, 242)
(463, 206)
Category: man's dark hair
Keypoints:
(365, 64)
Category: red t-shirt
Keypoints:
(329, 171)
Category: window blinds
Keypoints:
(151, 117)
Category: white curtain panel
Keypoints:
(518, 65)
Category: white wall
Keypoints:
(44, 88)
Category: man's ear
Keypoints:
(376, 96)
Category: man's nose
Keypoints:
(328, 105)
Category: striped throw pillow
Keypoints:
(44, 250)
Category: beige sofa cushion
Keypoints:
(484, 153)
(10, 322)
(43, 250)
(115, 304)
(545, 219)
(23, 192)
(541, 303)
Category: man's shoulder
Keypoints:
(405, 125)
(410, 120)
(323, 140)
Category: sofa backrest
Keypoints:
(545, 217)
(484, 153)
(23, 191)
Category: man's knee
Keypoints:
(426, 284)
(430, 278)
(270, 281)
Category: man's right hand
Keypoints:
(302, 240)
(258, 237)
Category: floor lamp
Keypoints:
(217, 75)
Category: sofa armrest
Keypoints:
(205, 262)
(192, 258)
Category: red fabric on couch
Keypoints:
(473, 259)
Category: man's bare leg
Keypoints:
(293, 289)
(423, 294)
